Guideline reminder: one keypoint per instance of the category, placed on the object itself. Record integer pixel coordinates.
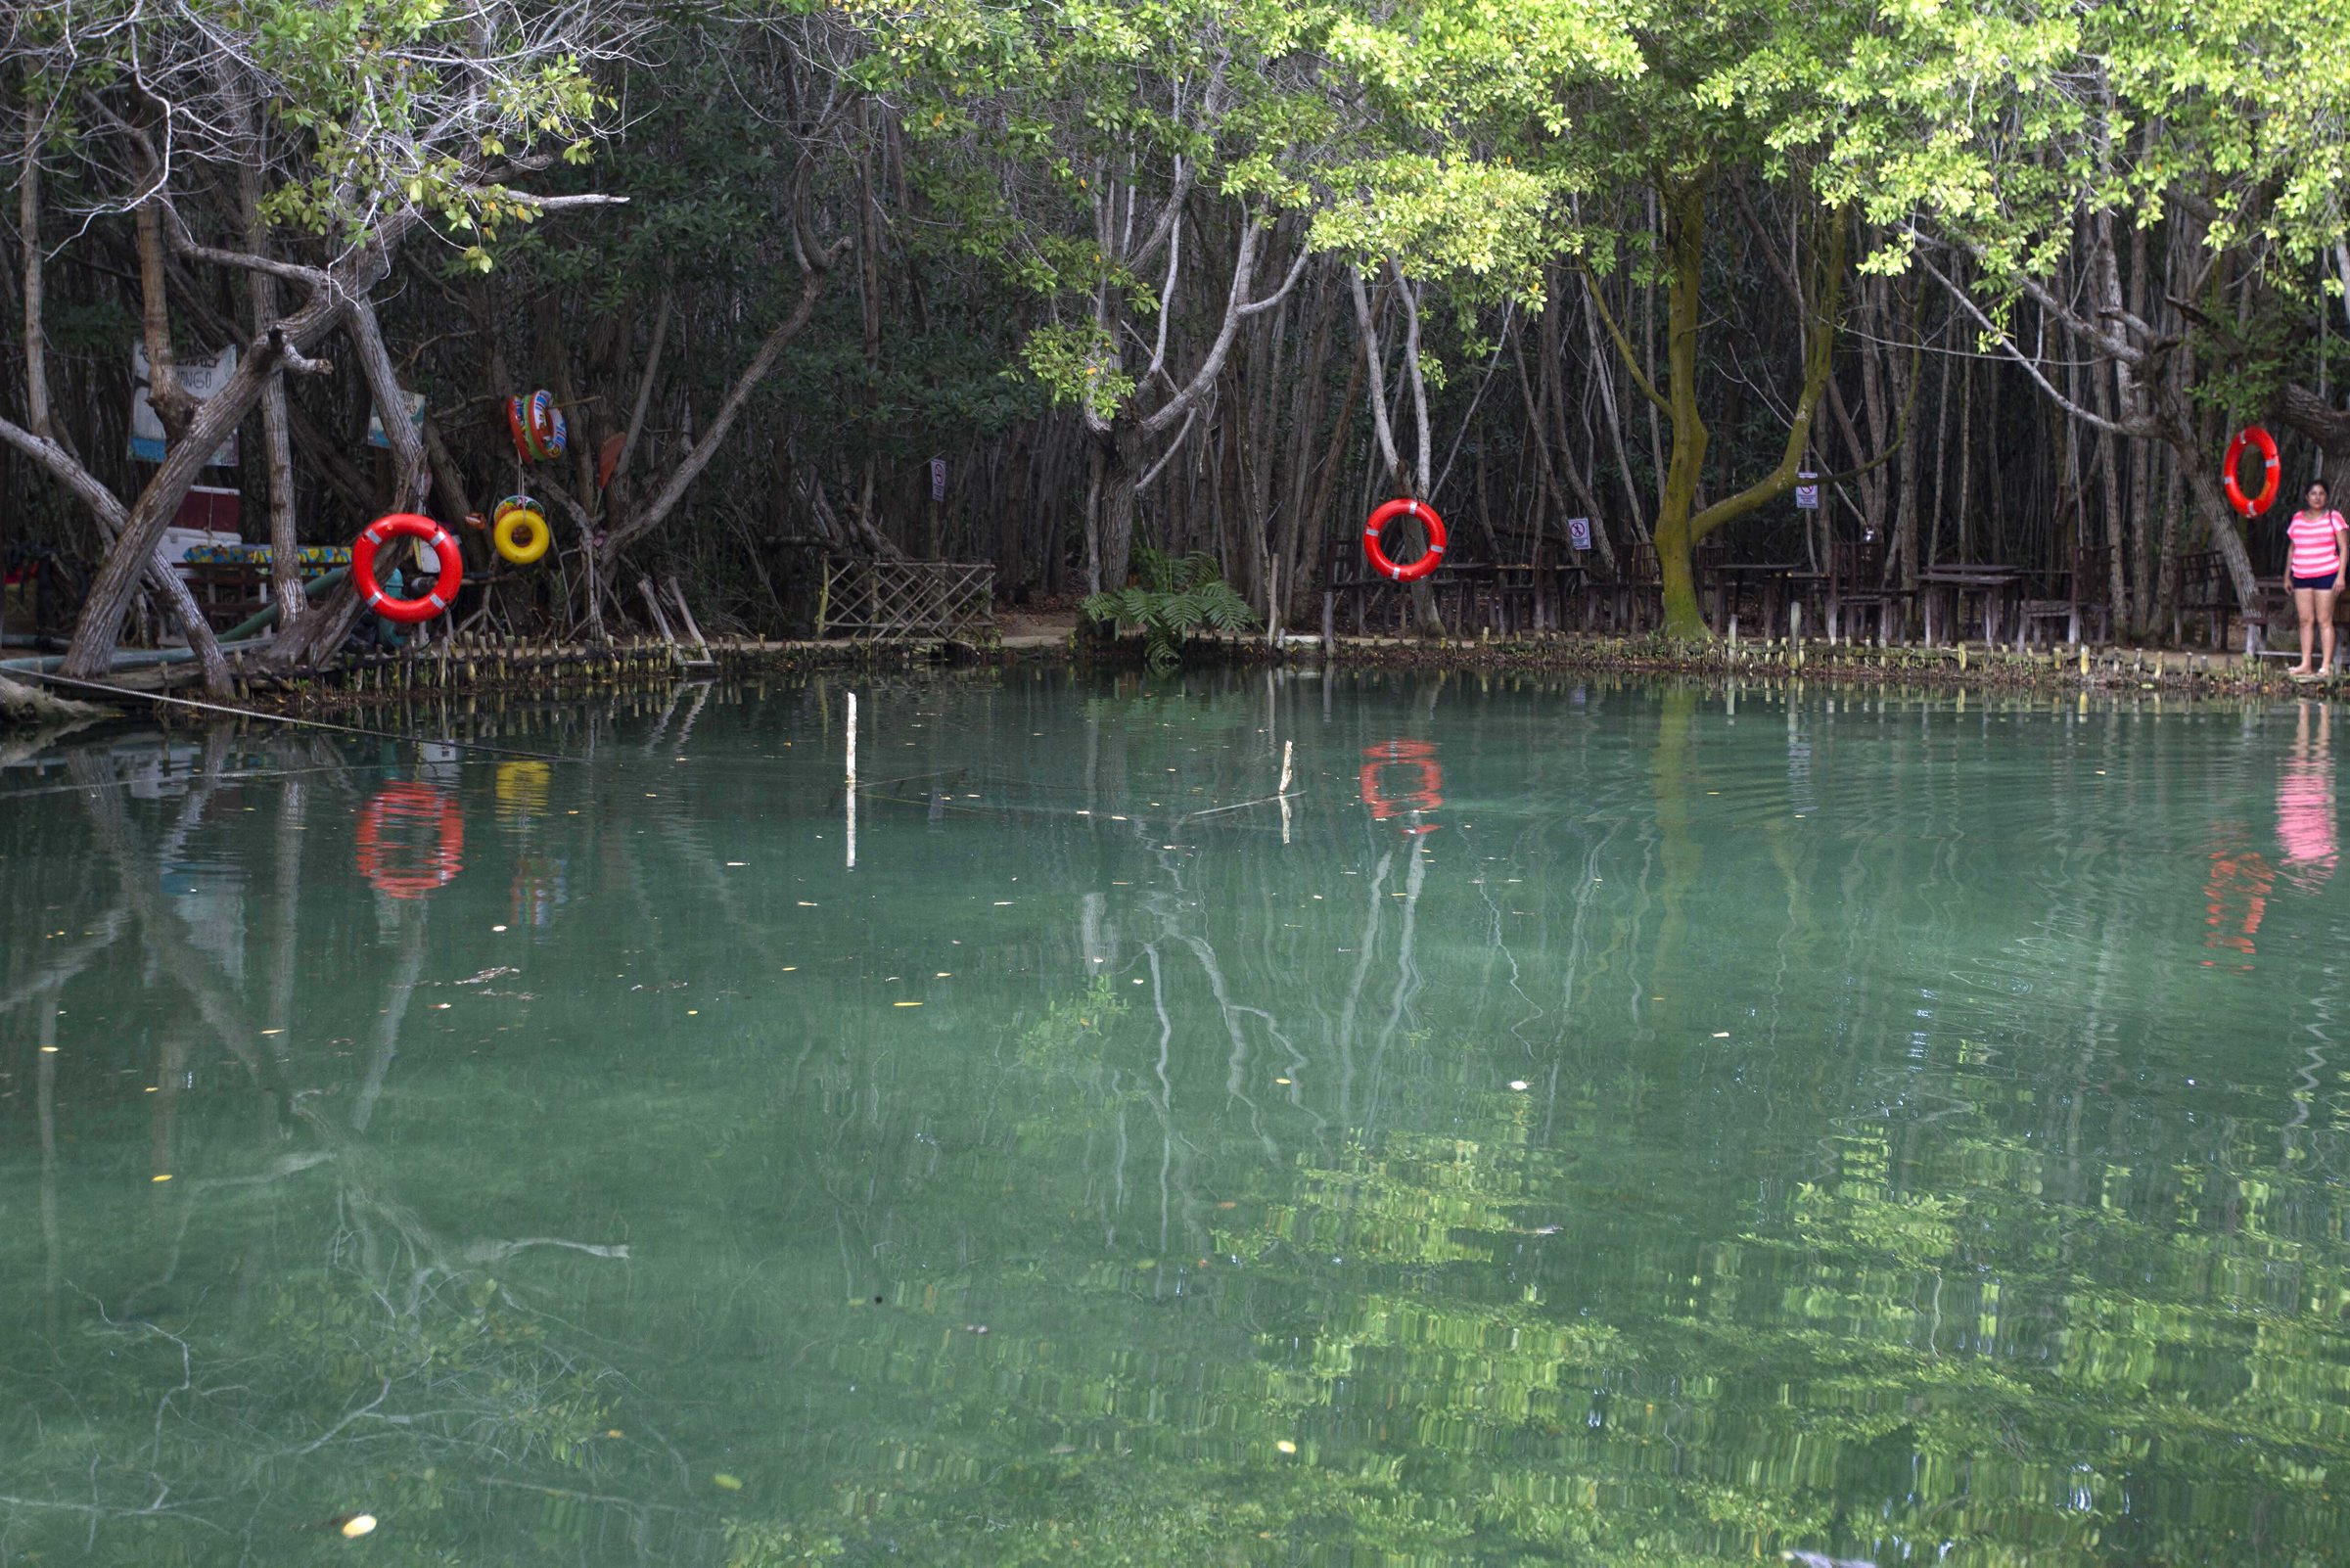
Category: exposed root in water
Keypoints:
(22, 705)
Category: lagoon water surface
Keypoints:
(1611, 1123)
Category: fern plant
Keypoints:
(1177, 596)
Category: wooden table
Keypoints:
(1992, 587)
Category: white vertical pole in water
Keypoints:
(849, 794)
(1288, 750)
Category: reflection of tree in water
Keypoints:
(351, 1356)
(1894, 1269)
(1953, 1324)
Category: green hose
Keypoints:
(266, 619)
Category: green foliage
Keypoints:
(2000, 123)
(1178, 596)
(1077, 365)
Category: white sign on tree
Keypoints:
(200, 377)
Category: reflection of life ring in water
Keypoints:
(1418, 755)
(2235, 896)
(412, 823)
(538, 891)
(521, 790)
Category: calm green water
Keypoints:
(1598, 1124)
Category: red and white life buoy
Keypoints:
(2264, 443)
(395, 825)
(406, 526)
(1377, 556)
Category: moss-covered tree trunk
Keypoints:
(1684, 250)
(1680, 526)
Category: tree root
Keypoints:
(20, 704)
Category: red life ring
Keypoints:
(1418, 755)
(389, 821)
(406, 526)
(1377, 556)
(2267, 445)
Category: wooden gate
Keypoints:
(885, 599)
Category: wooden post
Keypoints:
(644, 585)
(677, 597)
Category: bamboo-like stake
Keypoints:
(849, 794)
(1288, 750)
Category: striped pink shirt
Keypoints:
(2315, 552)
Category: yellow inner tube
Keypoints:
(522, 535)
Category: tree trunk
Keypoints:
(1677, 532)
(277, 442)
(1685, 250)
(164, 394)
(1117, 459)
(28, 231)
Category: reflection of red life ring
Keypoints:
(1419, 755)
(2266, 444)
(390, 821)
(1377, 556)
(406, 526)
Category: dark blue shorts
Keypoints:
(2326, 580)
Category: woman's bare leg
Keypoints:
(2305, 605)
(2326, 602)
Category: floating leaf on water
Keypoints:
(1518, 1083)
(1285, 1447)
(727, 1483)
(905, 1004)
(356, 1525)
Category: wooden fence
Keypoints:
(883, 599)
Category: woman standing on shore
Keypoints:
(2320, 544)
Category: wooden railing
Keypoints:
(886, 599)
